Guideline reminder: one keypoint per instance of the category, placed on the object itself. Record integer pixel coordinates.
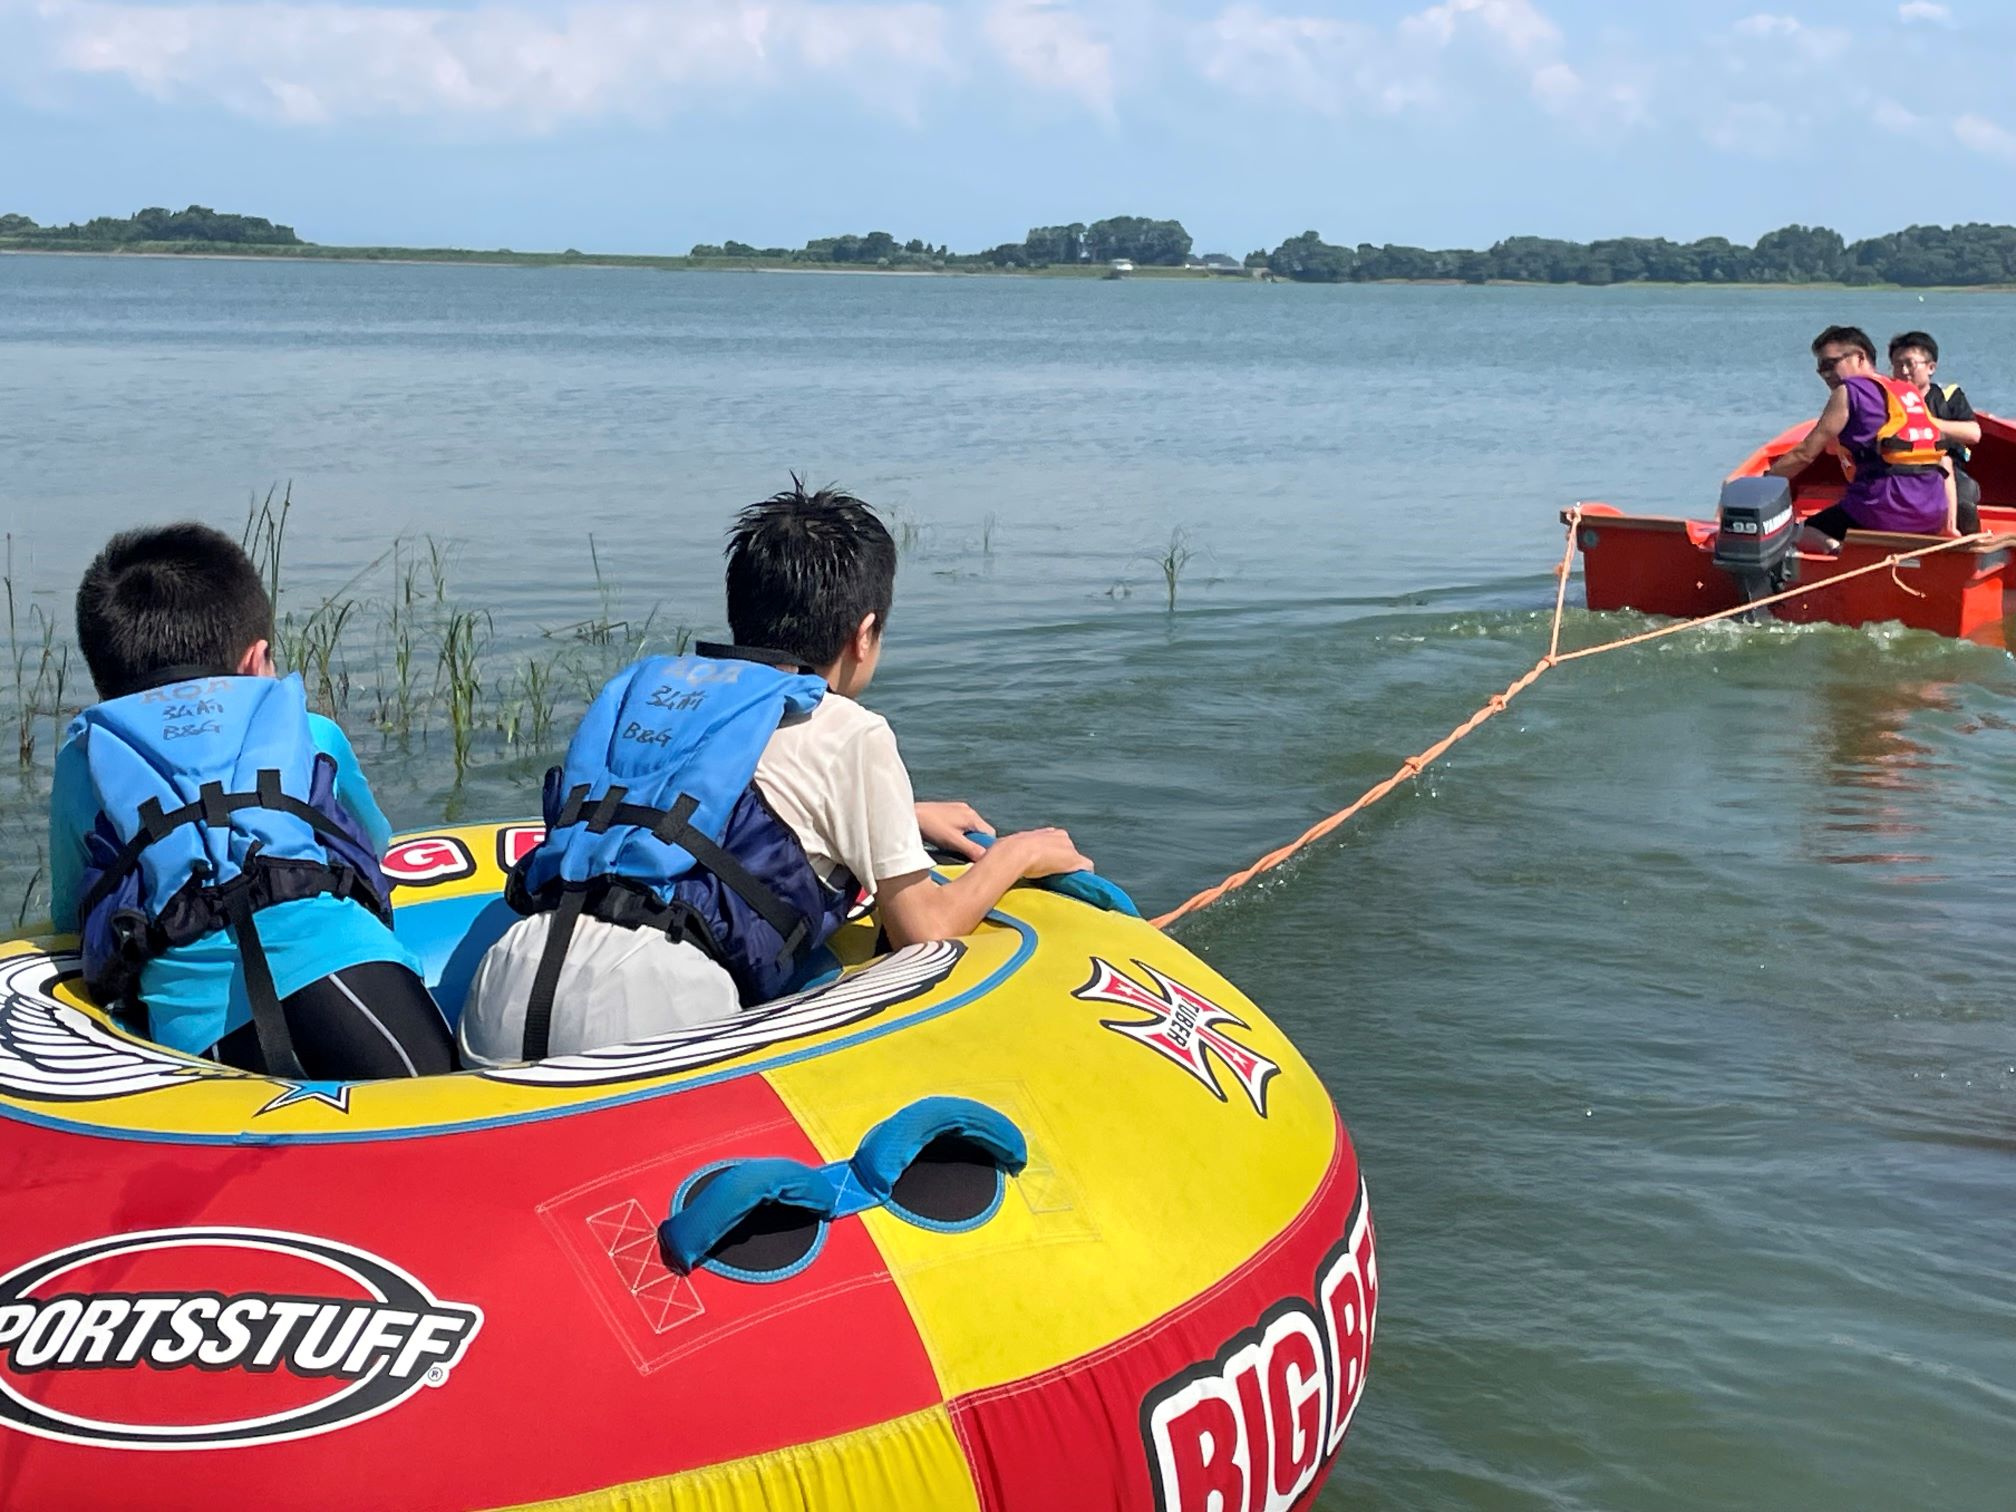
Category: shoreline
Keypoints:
(419, 257)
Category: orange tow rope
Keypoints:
(1495, 704)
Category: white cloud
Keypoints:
(1894, 117)
(1794, 38)
(1330, 67)
(1516, 24)
(1051, 46)
(1435, 59)
(306, 63)
(1924, 10)
(1979, 134)
(512, 66)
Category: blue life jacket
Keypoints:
(213, 803)
(654, 821)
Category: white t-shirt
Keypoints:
(835, 777)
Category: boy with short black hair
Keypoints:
(717, 813)
(1914, 359)
(214, 843)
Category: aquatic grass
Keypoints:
(905, 528)
(405, 653)
(30, 890)
(396, 701)
(465, 637)
(525, 711)
(264, 537)
(988, 524)
(42, 695)
(315, 651)
(1174, 558)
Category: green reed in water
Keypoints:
(1175, 557)
(43, 694)
(465, 638)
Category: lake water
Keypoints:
(1667, 1014)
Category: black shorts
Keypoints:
(1833, 521)
(365, 1023)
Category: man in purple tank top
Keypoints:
(1884, 494)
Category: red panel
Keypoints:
(590, 1365)
(1245, 1392)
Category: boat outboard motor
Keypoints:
(1754, 534)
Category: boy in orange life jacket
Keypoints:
(1914, 359)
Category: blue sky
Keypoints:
(647, 125)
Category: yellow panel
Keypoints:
(913, 1464)
(1144, 1187)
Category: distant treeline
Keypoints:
(195, 224)
(1917, 257)
(1920, 256)
(1152, 243)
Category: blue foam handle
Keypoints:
(1085, 886)
(691, 1233)
(888, 1149)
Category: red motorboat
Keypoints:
(1663, 564)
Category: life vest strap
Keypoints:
(546, 979)
(201, 908)
(673, 826)
(212, 807)
(269, 1015)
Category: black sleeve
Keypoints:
(1956, 406)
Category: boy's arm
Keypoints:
(913, 908)
(1961, 432)
(946, 824)
(352, 791)
(884, 837)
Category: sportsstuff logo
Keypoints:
(216, 1338)
(1250, 1430)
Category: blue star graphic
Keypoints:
(335, 1094)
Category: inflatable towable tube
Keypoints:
(1049, 1218)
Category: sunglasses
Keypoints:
(942, 1164)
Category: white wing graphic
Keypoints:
(896, 978)
(52, 1052)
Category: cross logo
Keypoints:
(1184, 1026)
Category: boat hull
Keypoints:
(1663, 564)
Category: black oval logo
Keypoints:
(375, 1346)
